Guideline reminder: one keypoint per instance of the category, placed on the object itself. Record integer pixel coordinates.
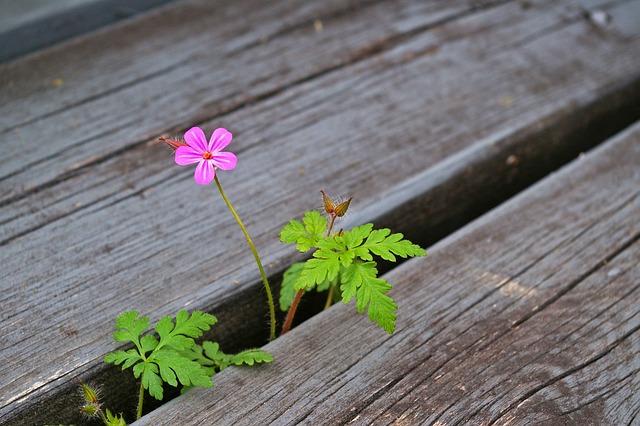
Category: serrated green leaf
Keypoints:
(317, 270)
(380, 243)
(334, 248)
(324, 285)
(209, 362)
(315, 223)
(113, 420)
(130, 326)
(151, 381)
(212, 360)
(212, 350)
(356, 236)
(148, 343)
(173, 364)
(354, 276)
(129, 358)
(138, 369)
(181, 335)
(361, 279)
(304, 234)
(165, 363)
(251, 356)
(287, 290)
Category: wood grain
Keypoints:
(441, 107)
(28, 25)
(529, 314)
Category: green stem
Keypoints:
(329, 301)
(140, 401)
(272, 308)
(330, 295)
(103, 417)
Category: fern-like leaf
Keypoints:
(380, 243)
(180, 336)
(250, 357)
(213, 360)
(287, 290)
(158, 361)
(361, 280)
(305, 234)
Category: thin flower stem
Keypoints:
(292, 311)
(103, 417)
(140, 401)
(272, 309)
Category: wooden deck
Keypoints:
(529, 315)
(431, 114)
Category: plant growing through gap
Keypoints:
(174, 357)
(343, 261)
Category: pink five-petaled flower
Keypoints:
(208, 156)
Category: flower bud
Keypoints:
(173, 144)
(90, 410)
(329, 207)
(90, 395)
(343, 207)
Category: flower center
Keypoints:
(207, 155)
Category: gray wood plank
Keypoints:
(28, 25)
(529, 314)
(178, 75)
(89, 224)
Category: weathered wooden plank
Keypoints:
(104, 237)
(188, 63)
(28, 25)
(530, 314)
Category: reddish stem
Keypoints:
(292, 311)
(333, 220)
(296, 300)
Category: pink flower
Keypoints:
(208, 156)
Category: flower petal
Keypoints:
(187, 155)
(219, 139)
(196, 138)
(225, 160)
(205, 172)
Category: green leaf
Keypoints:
(380, 243)
(251, 356)
(130, 327)
(113, 420)
(129, 358)
(148, 343)
(334, 248)
(287, 290)
(324, 285)
(316, 271)
(165, 363)
(305, 235)
(356, 236)
(172, 364)
(187, 328)
(361, 280)
(212, 360)
(151, 381)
